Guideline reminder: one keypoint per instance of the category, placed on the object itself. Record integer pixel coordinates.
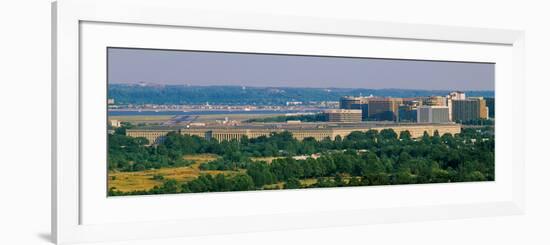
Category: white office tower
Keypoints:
(456, 95)
(433, 114)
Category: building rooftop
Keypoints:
(303, 125)
(342, 111)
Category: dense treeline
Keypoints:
(132, 154)
(237, 95)
(361, 158)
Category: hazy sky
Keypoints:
(264, 70)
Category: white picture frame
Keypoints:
(69, 198)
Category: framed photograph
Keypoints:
(172, 122)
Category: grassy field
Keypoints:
(308, 182)
(280, 185)
(143, 180)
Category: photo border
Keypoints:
(66, 17)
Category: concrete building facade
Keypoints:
(457, 95)
(490, 106)
(469, 109)
(433, 114)
(319, 131)
(384, 109)
(407, 113)
(434, 101)
(356, 103)
(344, 115)
(351, 103)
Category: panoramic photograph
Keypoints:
(188, 121)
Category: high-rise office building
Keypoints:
(343, 115)
(408, 110)
(356, 103)
(384, 109)
(407, 113)
(469, 109)
(351, 103)
(450, 106)
(491, 106)
(434, 101)
(433, 114)
(483, 109)
(457, 95)
(365, 111)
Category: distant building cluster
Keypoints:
(418, 115)
(289, 103)
(455, 107)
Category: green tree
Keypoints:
(260, 174)
(170, 186)
(405, 135)
(242, 182)
(292, 183)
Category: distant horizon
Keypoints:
(207, 68)
(254, 86)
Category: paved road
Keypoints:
(180, 118)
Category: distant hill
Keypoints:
(236, 95)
